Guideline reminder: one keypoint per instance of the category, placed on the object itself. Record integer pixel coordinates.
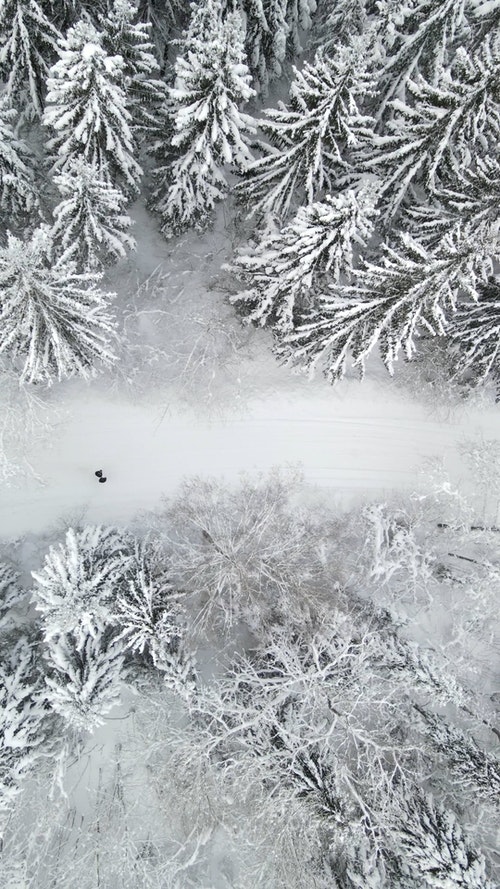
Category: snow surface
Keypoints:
(359, 438)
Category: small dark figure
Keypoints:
(102, 480)
(98, 473)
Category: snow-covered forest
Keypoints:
(249, 444)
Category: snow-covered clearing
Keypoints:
(365, 438)
(361, 438)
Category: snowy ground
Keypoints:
(362, 438)
(198, 394)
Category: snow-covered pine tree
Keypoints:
(80, 580)
(312, 140)
(473, 197)
(124, 34)
(286, 270)
(272, 33)
(87, 109)
(398, 555)
(274, 43)
(9, 594)
(411, 292)
(484, 18)
(265, 39)
(17, 191)
(434, 846)
(337, 21)
(470, 766)
(422, 670)
(147, 609)
(164, 16)
(151, 620)
(441, 128)
(299, 18)
(84, 678)
(475, 331)
(22, 714)
(212, 80)
(54, 321)
(64, 13)
(420, 38)
(356, 855)
(91, 227)
(28, 44)
(362, 867)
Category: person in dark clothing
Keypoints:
(102, 480)
(99, 473)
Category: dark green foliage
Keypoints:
(475, 331)
(411, 291)
(473, 768)
(311, 140)
(28, 46)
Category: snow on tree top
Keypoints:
(90, 50)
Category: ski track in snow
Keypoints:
(370, 441)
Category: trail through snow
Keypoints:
(360, 439)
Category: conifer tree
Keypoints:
(79, 580)
(28, 43)
(87, 109)
(17, 190)
(475, 331)
(288, 267)
(90, 227)
(164, 16)
(265, 39)
(209, 129)
(475, 194)
(9, 594)
(442, 127)
(472, 198)
(125, 35)
(65, 13)
(148, 611)
(391, 303)
(471, 766)
(435, 848)
(54, 321)
(299, 17)
(312, 139)
(22, 714)
(337, 21)
(420, 38)
(273, 34)
(484, 18)
(84, 676)
(151, 620)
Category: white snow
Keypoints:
(359, 438)
(90, 50)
